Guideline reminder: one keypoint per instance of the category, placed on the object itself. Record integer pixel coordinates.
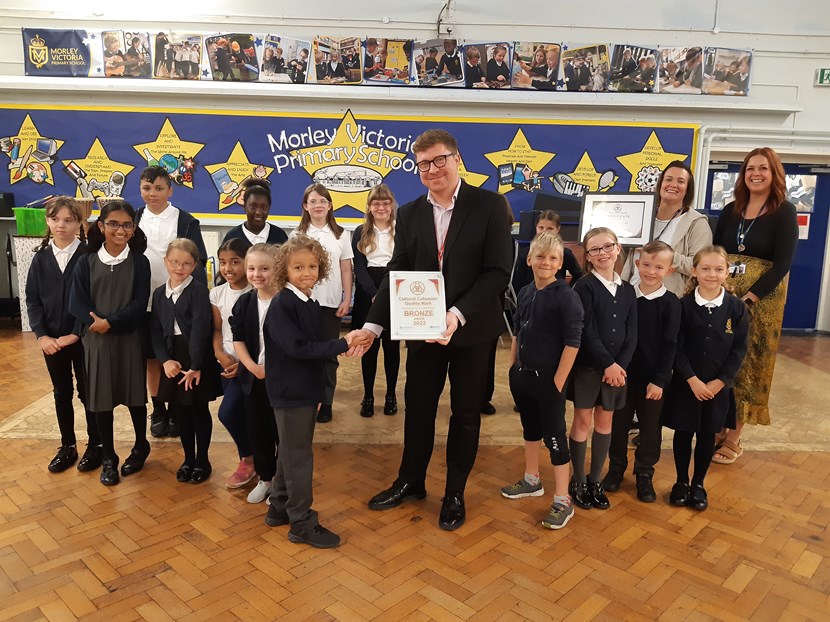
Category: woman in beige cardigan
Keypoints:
(676, 224)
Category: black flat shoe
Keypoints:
(453, 513)
(398, 493)
(367, 407)
(390, 405)
(184, 473)
(200, 474)
(173, 425)
(324, 414)
(698, 499)
(612, 480)
(91, 459)
(598, 498)
(679, 495)
(645, 488)
(135, 461)
(109, 472)
(488, 409)
(580, 495)
(65, 458)
(158, 423)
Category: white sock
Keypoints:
(533, 480)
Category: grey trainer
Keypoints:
(559, 516)
(523, 489)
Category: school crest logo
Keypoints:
(729, 326)
(38, 52)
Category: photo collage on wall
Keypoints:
(376, 60)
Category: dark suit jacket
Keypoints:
(478, 254)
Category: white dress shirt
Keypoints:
(329, 293)
(611, 285)
(382, 253)
(109, 260)
(173, 293)
(160, 229)
(652, 295)
(63, 255)
(257, 238)
(715, 302)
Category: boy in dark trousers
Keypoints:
(658, 322)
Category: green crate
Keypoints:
(31, 221)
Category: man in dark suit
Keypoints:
(463, 232)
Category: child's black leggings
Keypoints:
(704, 450)
(103, 420)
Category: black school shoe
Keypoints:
(645, 488)
(200, 474)
(109, 472)
(679, 495)
(324, 414)
(184, 473)
(65, 458)
(158, 423)
(390, 405)
(367, 407)
(598, 498)
(317, 536)
(91, 459)
(135, 461)
(580, 495)
(612, 480)
(698, 499)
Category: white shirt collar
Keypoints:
(454, 197)
(700, 300)
(262, 236)
(382, 231)
(615, 281)
(300, 294)
(109, 260)
(169, 291)
(166, 213)
(652, 295)
(69, 250)
(325, 227)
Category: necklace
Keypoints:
(663, 230)
(742, 233)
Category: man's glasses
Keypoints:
(115, 226)
(605, 248)
(439, 162)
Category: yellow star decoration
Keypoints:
(586, 174)
(474, 179)
(646, 165)
(229, 176)
(28, 162)
(168, 150)
(102, 174)
(347, 166)
(519, 152)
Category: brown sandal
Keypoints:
(729, 452)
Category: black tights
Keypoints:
(391, 364)
(103, 420)
(195, 429)
(704, 450)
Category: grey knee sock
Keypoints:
(599, 452)
(578, 451)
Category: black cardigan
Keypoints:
(658, 322)
(47, 293)
(275, 235)
(610, 333)
(244, 323)
(295, 351)
(124, 321)
(194, 315)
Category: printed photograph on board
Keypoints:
(284, 59)
(585, 67)
(182, 56)
(535, 65)
(726, 71)
(126, 54)
(337, 60)
(232, 57)
(387, 61)
(487, 65)
(633, 69)
(683, 70)
(438, 62)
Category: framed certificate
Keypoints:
(630, 215)
(418, 308)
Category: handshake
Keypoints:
(359, 341)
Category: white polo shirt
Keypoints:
(160, 230)
(329, 293)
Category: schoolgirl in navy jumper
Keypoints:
(658, 321)
(547, 336)
(256, 229)
(372, 244)
(232, 409)
(47, 300)
(110, 289)
(608, 341)
(714, 328)
(182, 336)
(296, 349)
(247, 320)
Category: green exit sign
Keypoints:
(823, 76)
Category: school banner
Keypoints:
(48, 52)
(87, 152)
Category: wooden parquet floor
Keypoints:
(153, 549)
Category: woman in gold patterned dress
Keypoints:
(759, 231)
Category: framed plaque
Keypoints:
(630, 215)
(418, 308)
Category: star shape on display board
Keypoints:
(520, 153)
(258, 42)
(98, 70)
(175, 155)
(348, 166)
(97, 175)
(204, 73)
(228, 176)
(87, 41)
(31, 154)
(646, 165)
(474, 179)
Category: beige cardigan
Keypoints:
(692, 234)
